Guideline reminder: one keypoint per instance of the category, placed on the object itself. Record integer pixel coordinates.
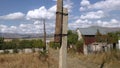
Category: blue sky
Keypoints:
(24, 16)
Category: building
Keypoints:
(88, 34)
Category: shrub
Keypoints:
(54, 45)
(79, 46)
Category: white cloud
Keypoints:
(13, 16)
(36, 22)
(106, 5)
(83, 23)
(93, 15)
(82, 8)
(53, 8)
(41, 13)
(85, 3)
(79, 23)
(111, 23)
(36, 27)
(69, 5)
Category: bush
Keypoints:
(54, 45)
(15, 50)
(79, 46)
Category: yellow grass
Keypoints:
(109, 59)
(24, 61)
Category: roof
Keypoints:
(93, 30)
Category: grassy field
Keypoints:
(37, 60)
(109, 59)
(25, 61)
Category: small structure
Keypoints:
(89, 36)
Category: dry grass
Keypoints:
(24, 61)
(107, 60)
(35, 60)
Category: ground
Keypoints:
(74, 60)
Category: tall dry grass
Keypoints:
(25, 61)
(110, 59)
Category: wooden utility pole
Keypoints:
(44, 34)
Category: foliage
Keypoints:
(20, 44)
(72, 37)
(79, 45)
(112, 37)
(1, 42)
(54, 45)
(37, 43)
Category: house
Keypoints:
(89, 33)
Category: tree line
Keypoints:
(20, 44)
(110, 38)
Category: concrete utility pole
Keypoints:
(63, 49)
(61, 32)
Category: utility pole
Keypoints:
(61, 32)
(44, 34)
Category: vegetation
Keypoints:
(79, 46)
(54, 45)
(110, 38)
(113, 37)
(108, 59)
(20, 44)
(72, 38)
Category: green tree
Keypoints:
(72, 37)
(79, 45)
(25, 44)
(1, 42)
(54, 45)
(112, 37)
(37, 43)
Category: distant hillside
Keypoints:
(16, 35)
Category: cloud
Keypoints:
(107, 5)
(111, 23)
(93, 15)
(83, 23)
(85, 3)
(36, 27)
(41, 13)
(13, 16)
(79, 23)
(69, 5)
(82, 8)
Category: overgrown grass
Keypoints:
(109, 59)
(24, 61)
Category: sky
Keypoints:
(25, 16)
